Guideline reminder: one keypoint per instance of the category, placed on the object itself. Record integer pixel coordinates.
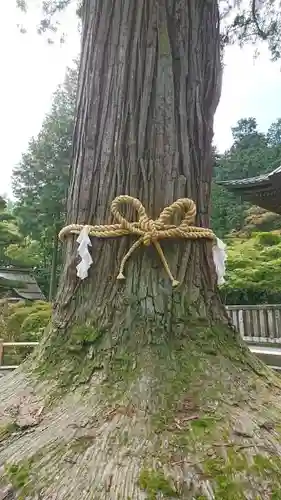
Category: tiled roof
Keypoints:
(30, 289)
(253, 181)
(264, 190)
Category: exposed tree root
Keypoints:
(206, 427)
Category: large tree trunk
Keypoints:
(140, 390)
(149, 86)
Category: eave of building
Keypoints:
(30, 290)
(264, 191)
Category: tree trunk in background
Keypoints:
(141, 391)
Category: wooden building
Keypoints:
(19, 284)
(264, 190)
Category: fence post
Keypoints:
(1, 351)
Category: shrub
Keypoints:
(15, 320)
(253, 270)
(268, 239)
(34, 324)
(23, 321)
(18, 314)
(40, 304)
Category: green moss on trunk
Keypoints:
(154, 484)
(19, 477)
(185, 390)
(7, 430)
(185, 358)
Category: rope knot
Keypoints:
(149, 231)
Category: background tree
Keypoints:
(153, 381)
(246, 129)
(9, 235)
(9, 231)
(252, 153)
(25, 254)
(252, 20)
(274, 134)
(40, 181)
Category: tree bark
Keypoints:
(139, 390)
(53, 275)
(149, 86)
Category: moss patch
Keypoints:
(80, 444)
(154, 483)
(69, 360)
(19, 477)
(189, 374)
(234, 478)
(28, 476)
(276, 494)
(7, 430)
(187, 364)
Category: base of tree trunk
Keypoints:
(183, 416)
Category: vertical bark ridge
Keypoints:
(148, 89)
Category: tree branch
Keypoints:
(263, 34)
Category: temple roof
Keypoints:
(26, 286)
(264, 190)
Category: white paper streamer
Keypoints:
(83, 252)
(220, 256)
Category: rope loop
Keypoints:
(183, 206)
(148, 230)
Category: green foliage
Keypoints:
(252, 21)
(253, 269)
(26, 254)
(9, 236)
(40, 184)
(19, 476)
(49, 23)
(268, 239)
(40, 181)
(251, 154)
(227, 212)
(15, 321)
(257, 218)
(254, 254)
(25, 320)
(35, 323)
(2, 204)
(245, 21)
(245, 129)
(154, 483)
(274, 133)
(9, 231)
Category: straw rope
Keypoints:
(148, 230)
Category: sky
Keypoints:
(31, 70)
